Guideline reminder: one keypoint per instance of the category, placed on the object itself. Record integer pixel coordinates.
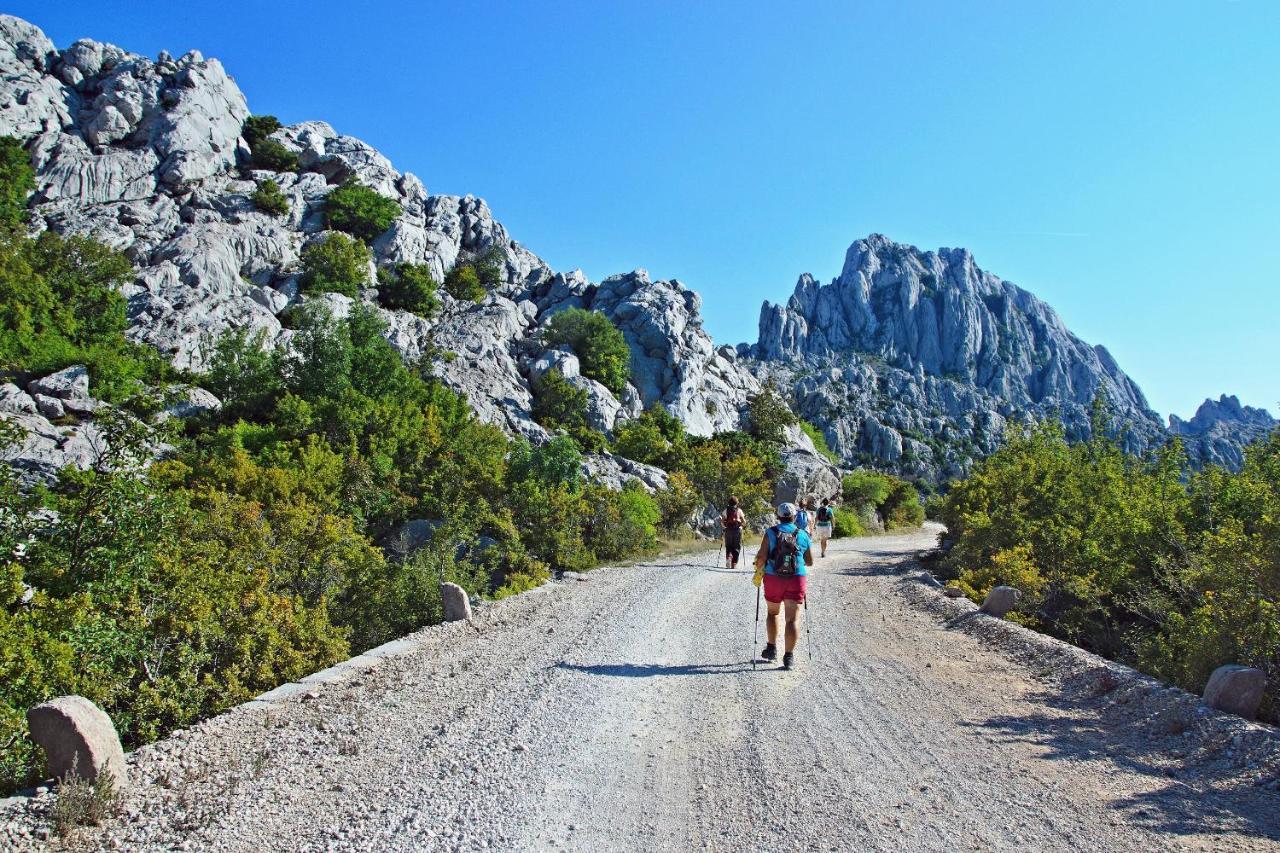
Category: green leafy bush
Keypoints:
(267, 153)
(846, 523)
(558, 404)
(463, 283)
(359, 210)
(600, 346)
(336, 264)
(269, 199)
(769, 415)
(60, 305)
(17, 182)
(408, 287)
(819, 441)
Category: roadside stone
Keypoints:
(75, 732)
(1236, 689)
(1000, 601)
(50, 407)
(456, 604)
(67, 383)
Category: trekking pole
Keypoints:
(808, 632)
(755, 640)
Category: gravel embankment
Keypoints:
(621, 710)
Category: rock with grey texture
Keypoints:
(65, 384)
(78, 736)
(1220, 431)
(615, 472)
(457, 606)
(1000, 600)
(1236, 689)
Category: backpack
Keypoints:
(802, 519)
(732, 519)
(784, 556)
(824, 515)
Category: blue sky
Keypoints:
(1118, 159)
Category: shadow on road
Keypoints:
(648, 670)
(1211, 800)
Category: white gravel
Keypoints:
(621, 711)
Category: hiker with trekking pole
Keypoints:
(781, 568)
(732, 520)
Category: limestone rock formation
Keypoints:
(1220, 430)
(916, 360)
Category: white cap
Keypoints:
(787, 510)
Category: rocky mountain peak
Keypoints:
(1225, 411)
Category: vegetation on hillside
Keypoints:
(601, 349)
(335, 264)
(265, 152)
(1140, 560)
(359, 210)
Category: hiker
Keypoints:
(825, 517)
(802, 517)
(732, 520)
(781, 564)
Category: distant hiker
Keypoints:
(802, 517)
(781, 563)
(732, 520)
(826, 517)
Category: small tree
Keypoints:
(265, 152)
(269, 199)
(408, 287)
(359, 210)
(17, 182)
(769, 415)
(336, 264)
(600, 346)
(463, 283)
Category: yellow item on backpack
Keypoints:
(759, 576)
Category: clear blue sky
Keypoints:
(1118, 159)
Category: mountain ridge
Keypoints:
(908, 360)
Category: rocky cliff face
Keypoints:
(1220, 430)
(147, 156)
(916, 360)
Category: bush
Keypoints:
(819, 441)
(359, 210)
(769, 415)
(336, 264)
(600, 346)
(862, 487)
(463, 283)
(621, 524)
(678, 502)
(17, 182)
(558, 462)
(267, 153)
(846, 523)
(408, 287)
(60, 305)
(269, 199)
(558, 404)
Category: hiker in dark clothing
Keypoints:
(732, 520)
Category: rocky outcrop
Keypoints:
(147, 156)
(915, 360)
(1220, 430)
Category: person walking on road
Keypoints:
(803, 517)
(825, 517)
(782, 566)
(732, 520)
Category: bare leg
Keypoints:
(771, 623)
(793, 622)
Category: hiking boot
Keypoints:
(786, 660)
(770, 652)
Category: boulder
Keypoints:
(410, 537)
(805, 474)
(50, 407)
(77, 734)
(192, 401)
(457, 606)
(68, 383)
(16, 401)
(1000, 600)
(1236, 689)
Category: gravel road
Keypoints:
(620, 710)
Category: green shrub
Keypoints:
(819, 441)
(17, 182)
(621, 524)
(863, 487)
(408, 287)
(902, 507)
(359, 210)
(336, 264)
(557, 404)
(269, 199)
(769, 415)
(267, 153)
(846, 523)
(558, 462)
(463, 283)
(600, 346)
(677, 502)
